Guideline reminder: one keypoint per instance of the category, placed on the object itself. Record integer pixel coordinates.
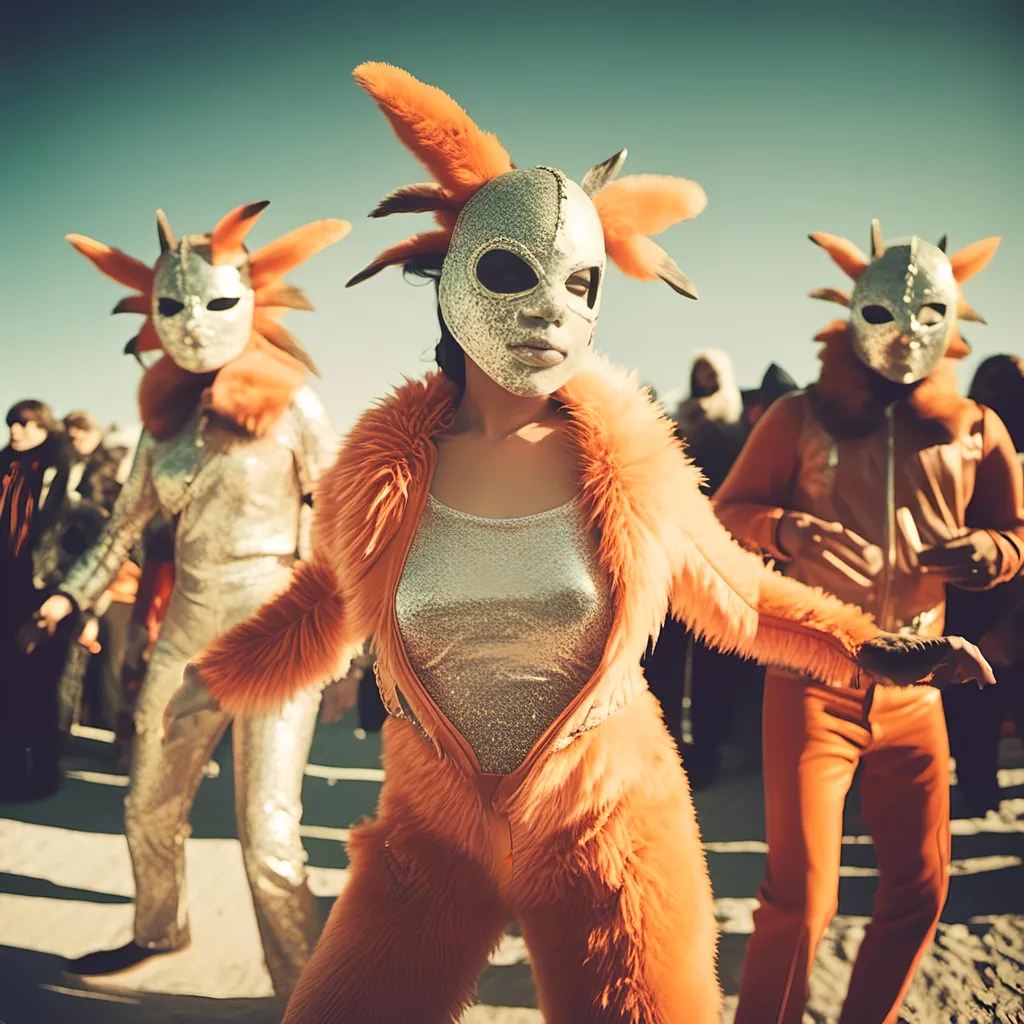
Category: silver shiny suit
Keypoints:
(241, 523)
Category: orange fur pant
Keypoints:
(607, 879)
(814, 739)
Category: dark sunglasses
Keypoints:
(20, 421)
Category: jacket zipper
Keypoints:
(889, 534)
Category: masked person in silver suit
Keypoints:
(233, 444)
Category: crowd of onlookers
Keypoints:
(59, 480)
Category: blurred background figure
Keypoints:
(774, 384)
(699, 689)
(91, 688)
(976, 719)
(33, 486)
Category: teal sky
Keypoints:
(794, 117)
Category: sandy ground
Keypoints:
(66, 888)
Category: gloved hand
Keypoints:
(971, 560)
(932, 661)
(839, 550)
(189, 700)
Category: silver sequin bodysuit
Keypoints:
(504, 621)
(241, 522)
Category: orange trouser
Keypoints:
(607, 879)
(814, 739)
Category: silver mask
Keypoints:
(903, 310)
(505, 289)
(203, 313)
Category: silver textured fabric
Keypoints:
(185, 283)
(238, 502)
(905, 279)
(504, 622)
(551, 223)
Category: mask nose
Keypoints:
(193, 318)
(545, 305)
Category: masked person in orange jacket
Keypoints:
(879, 484)
(511, 531)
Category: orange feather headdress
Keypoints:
(462, 159)
(254, 389)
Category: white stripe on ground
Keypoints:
(323, 771)
(323, 832)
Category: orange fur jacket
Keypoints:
(658, 538)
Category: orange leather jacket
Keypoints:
(947, 460)
(658, 538)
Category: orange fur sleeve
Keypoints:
(733, 601)
(298, 640)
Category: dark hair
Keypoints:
(80, 420)
(999, 383)
(38, 412)
(448, 353)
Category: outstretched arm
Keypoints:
(731, 599)
(298, 640)
(136, 504)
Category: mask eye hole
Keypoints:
(931, 313)
(169, 307)
(219, 305)
(876, 314)
(584, 282)
(505, 273)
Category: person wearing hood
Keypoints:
(995, 620)
(879, 484)
(710, 419)
(33, 485)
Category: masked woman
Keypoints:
(234, 441)
(510, 531)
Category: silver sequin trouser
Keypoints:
(270, 756)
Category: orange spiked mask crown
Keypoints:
(906, 300)
(522, 251)
(215, 311)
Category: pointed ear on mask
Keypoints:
(164, 232)
(597, 177)
(974, 258)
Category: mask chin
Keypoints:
(203, 356)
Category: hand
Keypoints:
(53, 611)
(970, 559)
(189, 700)
(89, 637)
(340, 697)
(843, 552)
(933, 661)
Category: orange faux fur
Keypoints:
(658, 538)
(255, 389)
(599, 859)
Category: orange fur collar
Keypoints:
(848, 405)
(252, 392)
